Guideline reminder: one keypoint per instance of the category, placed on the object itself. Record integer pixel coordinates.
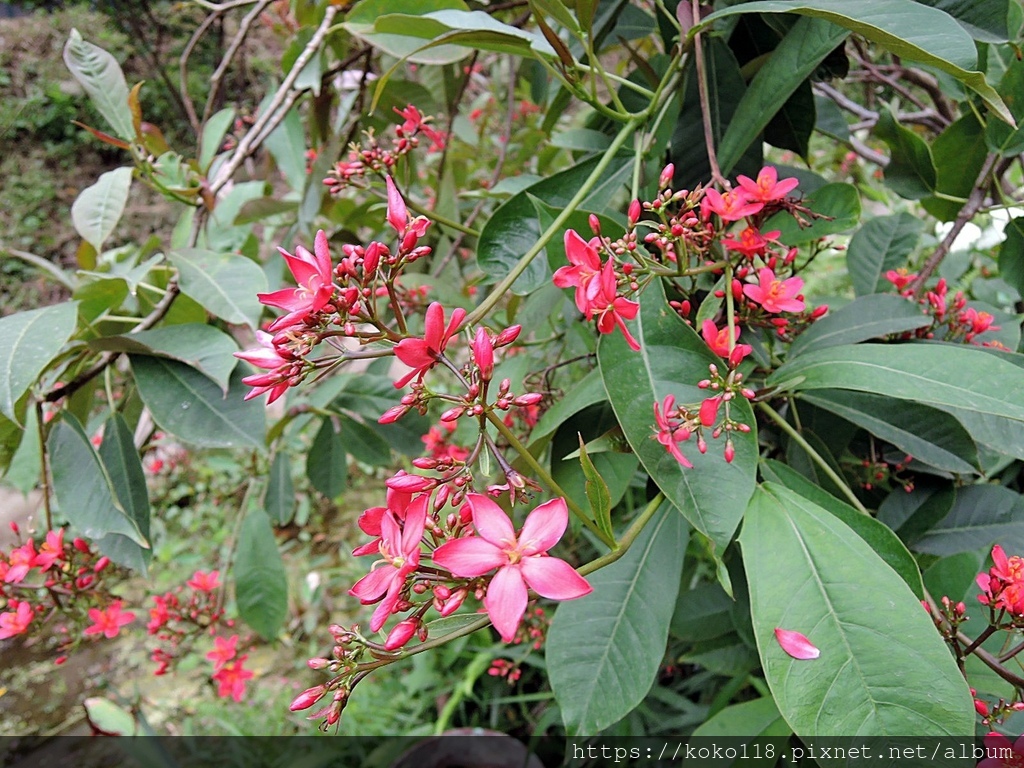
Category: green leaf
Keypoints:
(935, 374)
(514, 227)
(98, 208)
(597, 493)
(214, 131)
(906, 28)
(473, 29)
(671, 360)
(83, 488)
(868, 317)
(793, 124)
(603, 651)
(194, 409)
(279, 498)
(372, 395)
(361, 19)
(702, 613)
(959, 153)
(225, 284)
(927, 434)
(287, 144)
(1011, 255)
(911, 171)
(261, 586)
(363, 443)
(101, 76)
(808, 574)
(617, 465)
(28, 343)
(1000, 137)
(982, 515)
(582, 394)
(10, 438)
(202, 347)
(804, 47)
(883, 243)
(121, 460)
(839, 203)
(759, 718)
(878, 536)
(984, 20)
(326, 466)
(108, 718)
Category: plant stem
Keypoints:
(442, 220)
(627, 538)
(44, 469)
(705, 105)
(815, 456)
(545, 477)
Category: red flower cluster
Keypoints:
(952, 318)
(178, 619)
(1003, 586)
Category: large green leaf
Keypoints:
(363, 443)
(193, 408)
(672, 359)
(361, 19)
(28, 343)
(121, 460)
(473, 29)
(804, 47)
(83, 488)
(101, 76)
(883, 669)
(760, 719)
(911, 171)
(279, 498)
(586, 392)
(261, 586)
(883, 243)
(984, 20)
(225, 284)
(935, 374)
(98, 208)
(982, 515)
(999, 136)
(928, 434)
(326, 466)
(879, 536)
(839, 205)
(203, 347)
(514, 227)
(603, 651)
(868, 317)
(906, 28)
(1011, 255)
(959, 153)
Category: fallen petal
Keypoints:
(796, 644)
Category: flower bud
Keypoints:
(81, 546)
(666, 176)
(634, 212)
(507, 336)
(730, 451)
(595, 224)
(318, 663)
(307, 698)
(101, 564)
(483, 354)
(401, 634)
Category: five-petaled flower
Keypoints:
(204, 582)
(17, 621)
(1000, 752)
(586, 266)
(671, 434)
(1003, 585)
(521, 561)
(224, 650)
(766, 188)
(108, 622)
(314, 286)
(231, 679)
(612, 310)
(775, 295)
(421, 354)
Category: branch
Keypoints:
(190, 108)
(229, 54)
(705, 106)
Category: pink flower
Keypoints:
(750, 242)
(224, 650)
(521, 561)
(312, 273)
(109, 621)
(20, 562)
(717, 340)
(767, 188)
(51, 551)
(586, 266)
(775, 295)
(709, 410)
(17, 621)
(266, 356)
(204, 582)
(231, 680)
(1003, 585)
(732, 206)
(421, 354)
(398, 214)
(796, 644)
(669, 433)
(400, 550)
(1000, 753)
(612, 310)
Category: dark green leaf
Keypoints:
(793, 124)
(959, 153)
(984, 20)
(474, 29)
(101, 76)
(759, 718)
(279, 499)
(672, 359)
(603, 651)
(702, 613)
(360, 22)
(900, 506)
(261, 586)
(838, 203)
(586, 392)
(225, 284)
(326, 466)
(597, 493)
(883, 243)
(1011, 255)
(363, 443)
(982, 515)
(868, 317)
(911, 171)
(28, 343)
(191, 407)
(616, 467)
(82, 486)
(808, 573)
(121, 460)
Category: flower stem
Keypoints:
(442, 220)
(627, 538)
(815, 456)
(545, 477)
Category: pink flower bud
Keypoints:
(666, 176)
(730, 451)
(483, 354)
(634, 212)
(398, 214)
(410, 483)
(981, 707)
(595, 224)
(14, 528)
(101, 564)
(80, 545)
(819, 311)
(507, 336)
(318, 663)
(529, 399)
(371, 259)
(453, 414)
(401, 634)
(454, 602)
(307, 698)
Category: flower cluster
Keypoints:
(1003, 586)
(178, 617)
(952, 318)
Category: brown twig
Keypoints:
(190, 108)
(229, 54)
(705, 106)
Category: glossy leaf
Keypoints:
(121, 460)
(911, 171)
(191, 407)
(202, 347)
(83, 488)
(98, 208)
(363, 443)
(906, 28)
(28, 343)
(984, 20)
(927, 434)
(279, 498)
(261, 586)
(672, 359)
(868, 317)
(982, 515)
(597, 493)
(959, 153)
(1011, 255)
(935, 374)
(838, 203)
(790, 64)
(101, 76)
(883, 243)
(603, 650)
(225, 284)
(473, 29)
(326, 466)
(807, 573)
(361, 19)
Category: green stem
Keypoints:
(627, 538)
(815, 456)
(638, 162)
(545, 477)
(730, 307)
(442, 220)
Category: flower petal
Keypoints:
(796, 644)
(491, 521)
(553, 578)
(544, 527)
(505, 601)
(374, 584)
(415, 521)
(470, 557)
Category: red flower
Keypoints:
(17, 621)
(224, 650)
(282, 370)
(767, 188)
(312, 273)
(109, 621)
(421, 354)
(775, 295)
(231, 680)
(1003, 585)
(51, 551)
(796, 644)
(20, 562)
(586, 266)
(669, 433)
(750, 242)
(717, 340)
(1001, 753)
(612, 309)
(732, 206)
(204, 582)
